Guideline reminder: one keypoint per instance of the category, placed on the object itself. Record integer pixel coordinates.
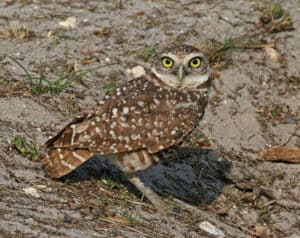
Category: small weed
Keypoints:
(41, 83)
(65, 36)
(128, 214)
(29, 149)
(274, 18)
(16, 31)
(104, 31)
(65, 218)
(264, 215)
(109, 183)
(277, 111)
(218, 51)
(61, 34)
(110, 86)
(147, 53)
(276, 11)
(142, 199)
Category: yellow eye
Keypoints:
(167, 62)
(195, 62)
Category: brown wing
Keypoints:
(128, 120)
(150, 125)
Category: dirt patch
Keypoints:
(254, 104)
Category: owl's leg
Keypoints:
(149, 194)
(131, 162)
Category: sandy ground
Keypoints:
(255, 104)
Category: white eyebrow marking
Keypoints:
(190, 56)
(172, 56)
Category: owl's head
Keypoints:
(182, 66)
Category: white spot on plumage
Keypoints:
(125, 125)
(153, 106)
(134, 136)
(125, 110)
(97, 129)
(97, 118)
(113, 148)
(113, 125)
(69, 166)
(173, 101)
(112, 133)
(155, 132)
(140, 121)
(78, 156)
(91, 144)
(73, 127)
(128, 147)
(114, 112)
(141, 104)
(124, 119)
(156, 101)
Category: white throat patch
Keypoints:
(189, 81)
(169, 79)
(193, 81)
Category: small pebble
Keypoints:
(211, 229)
(32, 192)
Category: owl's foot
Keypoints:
(160, 206)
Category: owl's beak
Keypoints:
(180, 73)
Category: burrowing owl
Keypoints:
(138, 119)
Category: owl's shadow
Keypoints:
(193, 175)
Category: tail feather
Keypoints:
(59, 161)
